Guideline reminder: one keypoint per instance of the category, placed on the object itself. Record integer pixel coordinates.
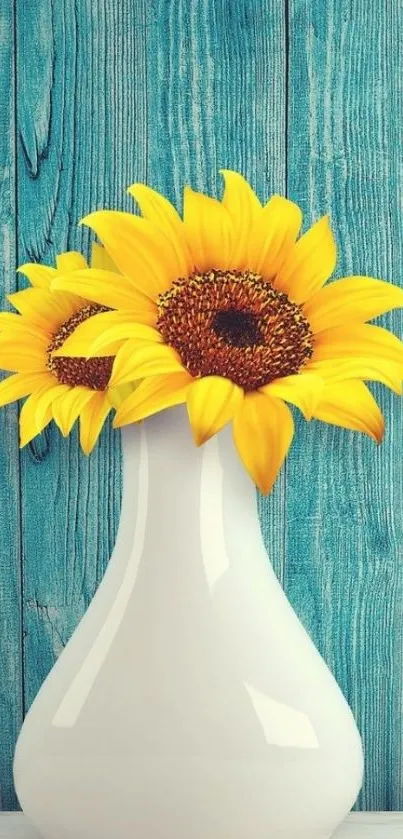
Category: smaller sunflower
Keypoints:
(61, 389)
(227, 311)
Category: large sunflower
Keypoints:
(225, 310)
(62, 389)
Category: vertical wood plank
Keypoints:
(216, 98)
(82, 139)
(10, 543)
(344, 513)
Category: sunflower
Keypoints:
(227, 310)
(62, 389)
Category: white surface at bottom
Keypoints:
(356, 826)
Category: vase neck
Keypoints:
(161, 460)
(172, 487)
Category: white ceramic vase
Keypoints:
(190, 703)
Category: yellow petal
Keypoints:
(22, 354)
(137, 362)
(40, 276)
(80, 342)
(351, 405)
(44, 308)
(117, 395)
(309, 264)
(303, 390)
(360, 340)
(139, 249)
(351, 300)
(67, 408)
(23, 331)
(153, 395)
(209, 230)
(9, 321)
(105, 288)
(211, 402)
(123, 332)
(263, 431)
(92, 419)
(30, 426)
(21, 384)
(369, 369)
(70, 261)
(48, 398)
(157, 209)
(273, 236)
(243, 206)
(100, 258)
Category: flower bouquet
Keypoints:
(190, 702)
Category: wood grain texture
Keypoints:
(302, 96)
(344, 500)
(80, 118)
(10, 509)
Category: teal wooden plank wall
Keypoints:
(304, 97)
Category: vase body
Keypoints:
(189, 703)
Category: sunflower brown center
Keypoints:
(88, 372)
(241, 329)
(234, 324)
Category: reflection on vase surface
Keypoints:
(190, 702)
